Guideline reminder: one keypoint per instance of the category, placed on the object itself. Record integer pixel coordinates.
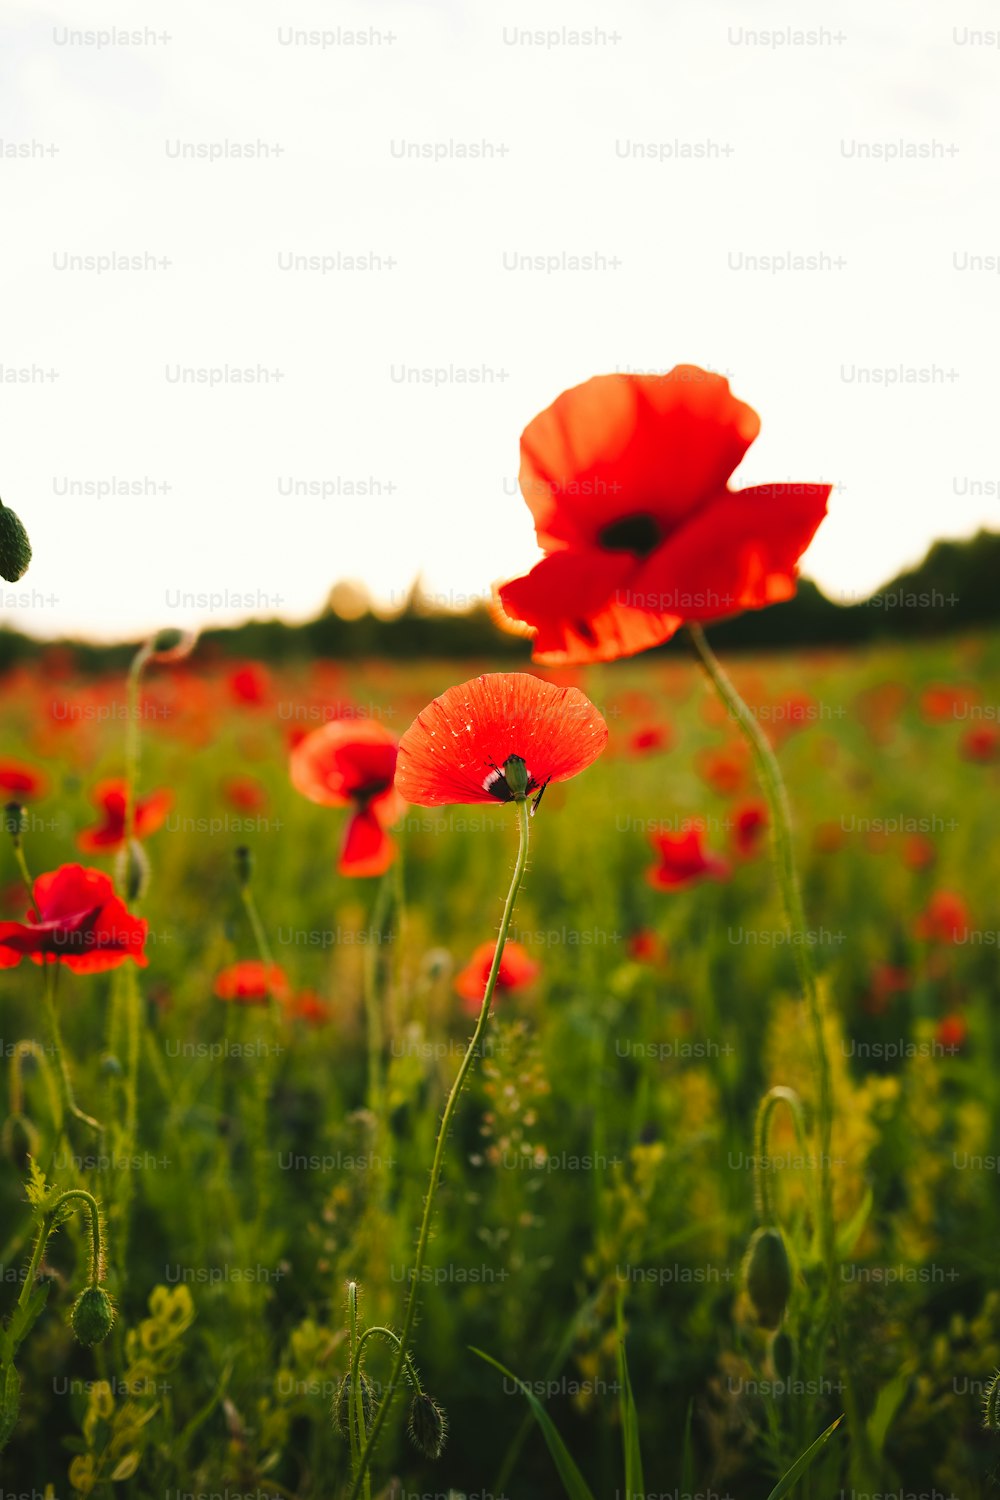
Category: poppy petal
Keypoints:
(367, 849)
(625, 444)
(449, 750)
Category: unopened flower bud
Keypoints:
(15, 549)
(15, 820)
(342, 1404)
(428, 1426)
(243, 860)
(111, 1066)
(19, 1139)
(93, 1316)
(132, 870)
(768, 1275)
(172, 645)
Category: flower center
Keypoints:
(640, 534)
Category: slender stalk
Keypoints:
(523, 810)
(69, 1104)
(762, 1135)
(373, 1015)
(132, 726)
(773, 786)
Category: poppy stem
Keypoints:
(69, 1104)
(373, 1015)
(132, 727)
(416, 1275)
(773, 786)
(762, 1136)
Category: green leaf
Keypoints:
(887, 1403)
(803, 1462)
(634, 1484)
(10, 1402)
(850, 1232)
(687, 1455)
(25, 1314)
(573, 1481)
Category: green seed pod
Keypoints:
(428, 1426)
(19, 1140)
(15, 549)
(93, 1316)
(342, 1404)
(132, 870)
(15, 820)
(768, 1276)
(783, 1355)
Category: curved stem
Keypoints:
(387, 1333)
(96, 1269)
(762, 1132)
(523, 808)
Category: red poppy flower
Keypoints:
(627, 479)
(109, 796)
(726, 771)
(23, 780)
(499, 737)
(648, 741)
(351, 763)
(749, 827)
(951, 1031)
(684, 860)
(887, 980)
(307, 1006)
(78, 921)
(981, 744)
(943, 701)
(250, 684)
(244, 793)
(647, 947)
(919, 851)
(945, 919)
(517, 969)
(251, 982)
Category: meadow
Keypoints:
(261, 1151)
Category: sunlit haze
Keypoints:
(448, 215)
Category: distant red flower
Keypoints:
(650, 740)
(250, 684)
(828, 837)
(951, 1031)
(943, 700)
(945, 919)
(466, 744)
(887, 980)
(307, 1006)
(627, 479)
(750, 826)
(23, 780)
(647, 947)
(351, 763)
(109, 796)
(245, 793)
(981, 743)
(517, 969)
(684, 860)
(78, 921)
(725, 770)
(919, 851)
(251, 982)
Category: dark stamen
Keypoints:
(640, 534)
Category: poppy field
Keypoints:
(439, 1079)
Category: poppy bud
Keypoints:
(111, 1066)
(768, 1275)
(342, 1404)
(19, 1140)
(93, 1316)
(15, 820)
(783, 1355)
(428, 1426)
(243, 860)
(132, 870)
(15, 549)
(172, 645)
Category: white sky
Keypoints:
(907, 458)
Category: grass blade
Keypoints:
(573, 1481)
(803, 1462)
